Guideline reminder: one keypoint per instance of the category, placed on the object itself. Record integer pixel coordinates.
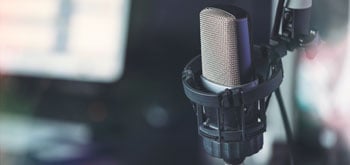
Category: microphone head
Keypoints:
(225, 46)
(219, 47)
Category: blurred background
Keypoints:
(98, 82)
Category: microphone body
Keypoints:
(231, 119)
(226, 64)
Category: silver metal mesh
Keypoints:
(220, 63)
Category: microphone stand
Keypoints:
(286, 124)
(294, 35)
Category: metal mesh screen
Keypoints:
(220, 63)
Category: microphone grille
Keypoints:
(220, 60)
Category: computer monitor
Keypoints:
(81, 40)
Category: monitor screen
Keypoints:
(80, 40)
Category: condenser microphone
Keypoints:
(226, 65)
(225, 48)
(230, 84)
(229, 96)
